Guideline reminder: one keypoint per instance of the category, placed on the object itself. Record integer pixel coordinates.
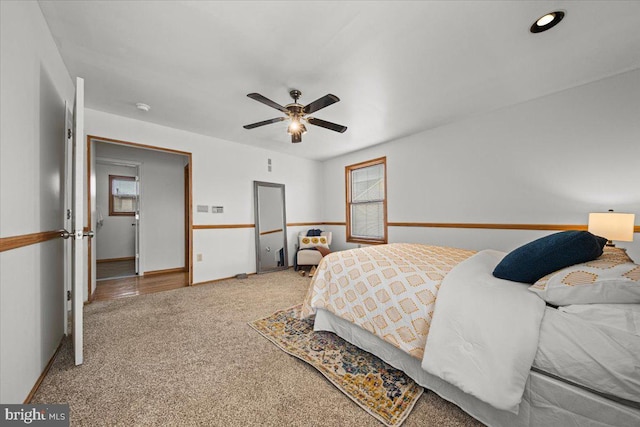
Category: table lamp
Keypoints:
(612, 226)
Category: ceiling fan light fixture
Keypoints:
(296, 113)
(296, 127)
(547, 21)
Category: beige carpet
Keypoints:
(187, 357)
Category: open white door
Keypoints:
(68, 208)
(77, 271)
(136, 223)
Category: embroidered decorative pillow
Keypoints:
(610, 279)
(307, 242)
(530, 262)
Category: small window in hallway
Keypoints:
(123, 195)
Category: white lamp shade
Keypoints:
(612, 225)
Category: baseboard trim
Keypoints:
(218, 280)
(166, 271)
(126, 258)
(44, 373)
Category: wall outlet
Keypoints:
(198, 257)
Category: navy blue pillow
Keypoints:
(536, 259)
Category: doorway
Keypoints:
(117, 218)
(163, 230)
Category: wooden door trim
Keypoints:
(138, 145)
(96, 138)
(88, 226)
(189, 213)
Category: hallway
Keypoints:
(115, 269)
(111, 289)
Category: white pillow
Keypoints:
(611, 278)
(313, 241)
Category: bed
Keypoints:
(491, 346)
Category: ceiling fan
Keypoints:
(298, 112)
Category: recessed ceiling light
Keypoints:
(547, 21)
(142, 106)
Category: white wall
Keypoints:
(222, 174)
(551, 160)
(34, 84)
(115, 238)
(162, 240)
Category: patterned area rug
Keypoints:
(381, 390)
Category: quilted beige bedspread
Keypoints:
(389, 290)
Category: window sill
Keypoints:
(367, 241)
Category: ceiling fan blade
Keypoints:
(327, 125)
(320, 103)
(267, 101)
(266, 122)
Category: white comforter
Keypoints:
(484, 332)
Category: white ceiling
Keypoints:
(398, 67)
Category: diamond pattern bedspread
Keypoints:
(388, 290)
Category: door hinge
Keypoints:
(68, 295)
(69, 133)
(68, 213)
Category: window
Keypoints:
(123, 194)
(367, 201)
